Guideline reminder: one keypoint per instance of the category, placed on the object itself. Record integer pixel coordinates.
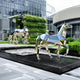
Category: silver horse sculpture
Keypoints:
(20, 33)
(54, 39)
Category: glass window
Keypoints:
(25, 6)
(0, 9)
(12, 1)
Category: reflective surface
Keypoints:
(13, 7)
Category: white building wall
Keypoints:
(70, 13)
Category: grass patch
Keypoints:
(7, 42)
(4, 42)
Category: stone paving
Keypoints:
(10, 70)
(10, 45)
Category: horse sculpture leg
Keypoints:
(13, 39)
(38, 58)
(59, 43)
(25, 37)
(25, 40)
(37, 47)
(46, 46)
(16, 40)
(67, 49)
(58, 51)
(10, 39)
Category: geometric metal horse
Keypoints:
(20, 33)
(54, 39)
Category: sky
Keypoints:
(63, 4)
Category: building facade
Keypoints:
(50, 26)
(49, 11)
(69, 16)
(14, 7)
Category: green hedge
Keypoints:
(36, 26)
(78, 39)
(6, 39)
(35, 30)
(29, 18)
(68, 40)
(74, 48)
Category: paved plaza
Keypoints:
(10, 70)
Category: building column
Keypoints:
(71, 31)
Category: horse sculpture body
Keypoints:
(54, 39)
(20, 33)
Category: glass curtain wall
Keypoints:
(49, 11)
(13, 7)
(76, 31)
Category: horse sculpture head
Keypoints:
(66, 26)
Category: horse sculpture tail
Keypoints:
(37, 42)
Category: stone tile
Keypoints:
(25, 77)
(67, 77)
(75, 73)
(7, 74)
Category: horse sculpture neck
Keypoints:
(62, 31)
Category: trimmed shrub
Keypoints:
(68, 40)
(78, 39)
(30, 18)
(36, 26)
(74, 48)
(6, 39)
